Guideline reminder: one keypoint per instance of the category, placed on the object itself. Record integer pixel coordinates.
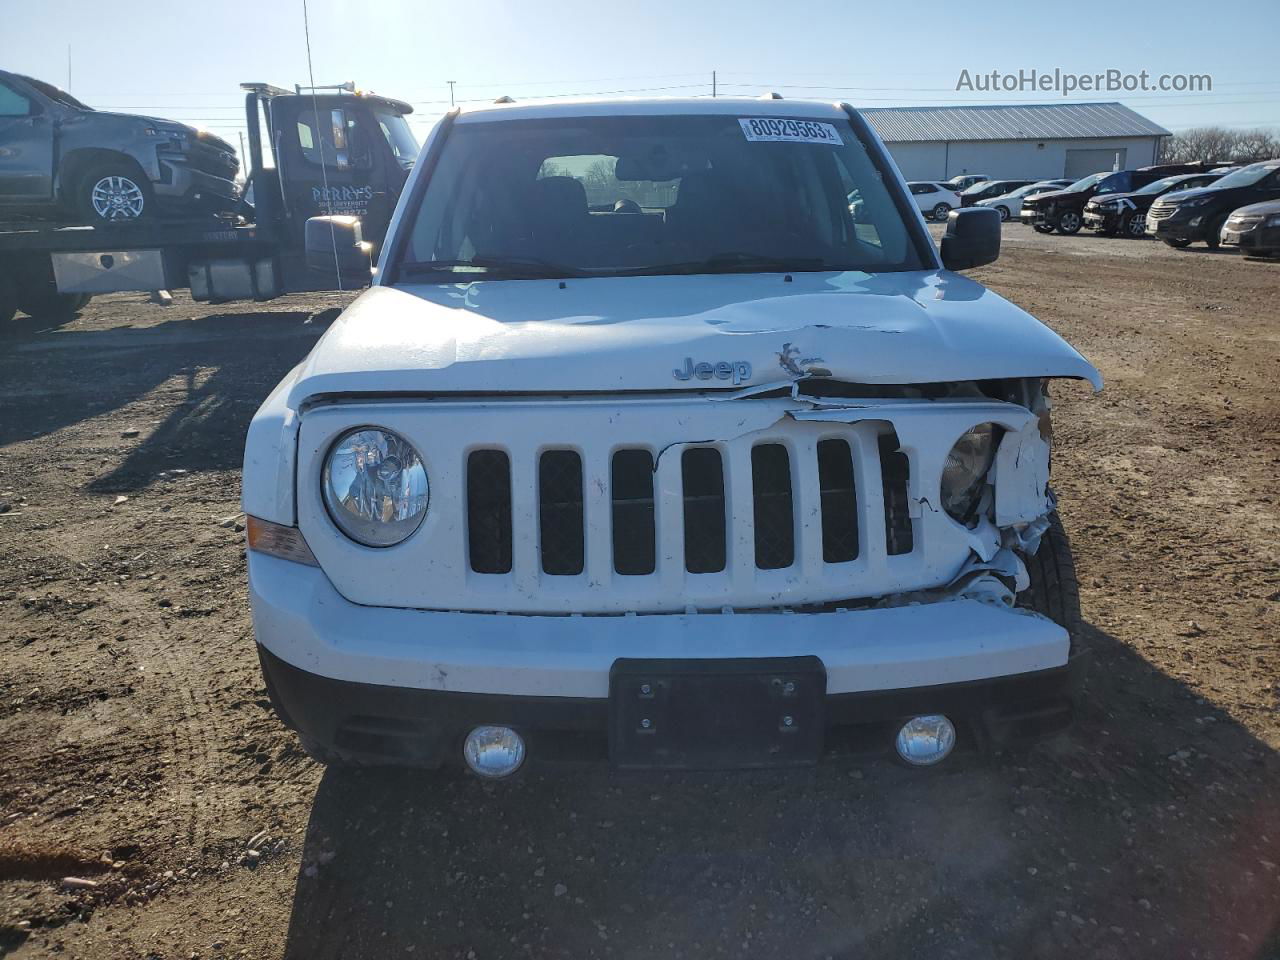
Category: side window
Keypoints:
(13, 104)
(338, 139)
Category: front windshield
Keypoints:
(1087, 182)
(601, 196)
(399, 137)
(1160, 186)
(56, 95)
(980, 187)
(1115, 182)
(1245, 177)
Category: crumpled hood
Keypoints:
(637, 333)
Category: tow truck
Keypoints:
(340, 157)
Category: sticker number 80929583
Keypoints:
(790, 131)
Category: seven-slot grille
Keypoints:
(1160, 211)
(711, 512)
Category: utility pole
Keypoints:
(713, 83)
(451, 83)
(68, 68)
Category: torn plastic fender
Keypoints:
(1021, 475)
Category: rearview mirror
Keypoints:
(335, 246)
(972, 238)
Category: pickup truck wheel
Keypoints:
(1069, 222)
(1042, 228)
(115, 192)
(1054, 590)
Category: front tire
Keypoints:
(1055, 589)
(1004, 214)
(1069, 222)
(114, 192)
(941, 211)
(1134, 226)
(1214, 237)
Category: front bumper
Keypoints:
(1033, 216)
(186, 185)
(1179, 226)
(1255, 239)
(399, 686)
(1103, 220)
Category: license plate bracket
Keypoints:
(716, 714)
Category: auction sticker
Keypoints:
(789, 131)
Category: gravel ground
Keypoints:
(138, 753)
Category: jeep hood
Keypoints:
(612, 334)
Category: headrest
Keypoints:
(564, 195)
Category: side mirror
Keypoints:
(972, 238)
(337, 242)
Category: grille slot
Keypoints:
(895, 473)
(702, 475)
(560, 524)
(489, 511)
(634, 533)
(839, 501)
(772, 504)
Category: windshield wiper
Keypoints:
(733, 262)
(522, 268)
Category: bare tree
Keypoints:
(1219, 143)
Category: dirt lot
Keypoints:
(137, 749)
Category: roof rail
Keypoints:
(264, 89)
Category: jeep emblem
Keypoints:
(739, 371)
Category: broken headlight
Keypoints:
(375, 486)
(965, 471)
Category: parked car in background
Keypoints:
(1255, 229)
(1184, 217)
(935, 200)
(1063, 210)
(964, 181)
(989, 188)
(1008, 204)
(60, 158)
(1126, 213)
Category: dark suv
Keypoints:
(61, 158)
(1063, 210)
(1189, 215)
(1126, 213)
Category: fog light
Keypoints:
(494, 751)
(924, 741)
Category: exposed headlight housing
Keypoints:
(966, 469)
(1273, 220)
(1195, 202)
(375, 487)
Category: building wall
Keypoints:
(1012, 159)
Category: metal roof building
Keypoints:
(1027, 141)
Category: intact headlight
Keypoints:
(375, 486)
(966, 469)
(1195, 202)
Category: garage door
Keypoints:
(1081, 163)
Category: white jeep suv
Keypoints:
(645, 446)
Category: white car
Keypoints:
(934, 200)
(1010, 203)
(642, 448)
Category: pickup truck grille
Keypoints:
(710, 513)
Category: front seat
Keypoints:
(560, 219)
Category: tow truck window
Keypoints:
(340, 142)
(12, 103)
(603, 196)
(404, 146)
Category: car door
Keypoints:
(923, 194)
(26, 148)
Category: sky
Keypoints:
(185, 60)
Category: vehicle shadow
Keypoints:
(57, 380)
(1149, 830)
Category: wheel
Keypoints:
(114, 191)
(1213, 237)
(1004, 214)
(8, 298)
(1042, 228)
(1069, 222)
(1179, 243)
(1134, 225)
(941, 211)
(51, 305)
(1054, 590)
